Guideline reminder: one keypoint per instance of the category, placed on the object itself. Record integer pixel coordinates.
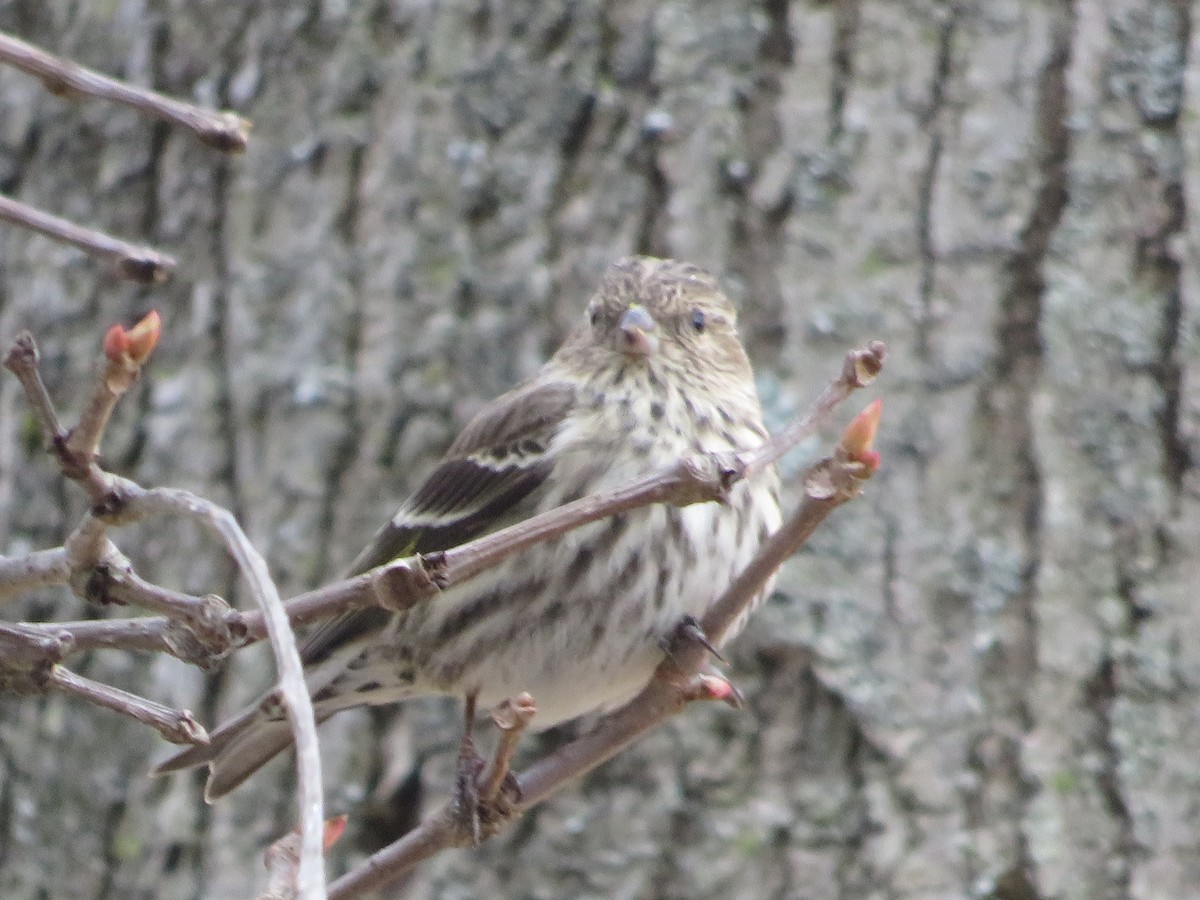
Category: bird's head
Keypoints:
(665, 316)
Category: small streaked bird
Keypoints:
(655, 372)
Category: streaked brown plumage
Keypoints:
(656, 372)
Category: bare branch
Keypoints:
(203, 639)
(225, 131)
(404, 583)
(382, 868)
(133, 262)
(22, 360)
(117, 583)
(33, 570)
(148, 634)
(176, 727)
(782, 545)
(27, 655)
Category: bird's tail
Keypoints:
(236, 750)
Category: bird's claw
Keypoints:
(689, 630)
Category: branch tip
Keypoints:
(515, 713)
(146, 267)
(23, 354)
(227, 132)
(863, 366)
(22, 360)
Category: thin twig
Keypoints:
(859, 369)
(404, 583)
(125, 353)
(178, 727)
(511, 717)
(226, 131)
(124, 586)
(22, 360)
(779, 548)
(134, 262)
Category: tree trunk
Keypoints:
(977, 681)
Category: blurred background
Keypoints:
(977, 681)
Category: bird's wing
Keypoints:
(497, 462)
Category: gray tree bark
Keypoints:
(978, 681)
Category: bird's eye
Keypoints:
(593, 314)
(699, 323)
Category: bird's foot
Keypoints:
(464, 806)
(710, 685)
(486, 795)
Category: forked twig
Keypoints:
(116, 500)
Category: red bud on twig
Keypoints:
(134, 344)
(860, 435)
(116, 343)
(334, 829)
(143, 337)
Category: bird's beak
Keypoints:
(637, 332)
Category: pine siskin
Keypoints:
(657, 372)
